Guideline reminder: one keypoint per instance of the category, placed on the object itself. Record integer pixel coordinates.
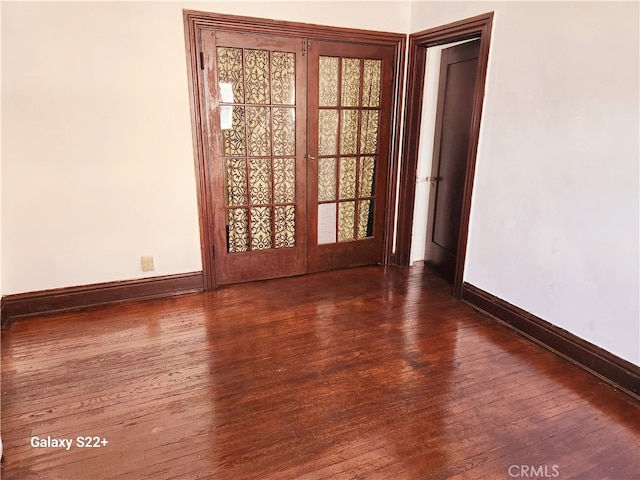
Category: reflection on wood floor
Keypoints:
(366, 373)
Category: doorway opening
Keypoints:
(478, 29)
(427, 172)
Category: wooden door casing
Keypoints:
(479, 27)
(197, 25)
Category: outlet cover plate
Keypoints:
(147, 264)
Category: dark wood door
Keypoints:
(255, 102)
(458, 69)
(349, 130)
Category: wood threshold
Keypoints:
(57, 300)
(601, 363)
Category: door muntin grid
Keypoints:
(258, 123)
(348, 128)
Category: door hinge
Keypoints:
(304, 47)
(201, 60)
(213, 250)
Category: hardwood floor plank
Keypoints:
(365, 373)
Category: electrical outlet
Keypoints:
(147, 264)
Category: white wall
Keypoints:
(97, 159)
(555, 210)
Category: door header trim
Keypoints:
(265, 26)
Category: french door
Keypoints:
(349, 115)
(256, 97)
(296, 152)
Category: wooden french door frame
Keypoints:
(475, 27)
(195, 23)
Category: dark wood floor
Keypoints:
(365, 373)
